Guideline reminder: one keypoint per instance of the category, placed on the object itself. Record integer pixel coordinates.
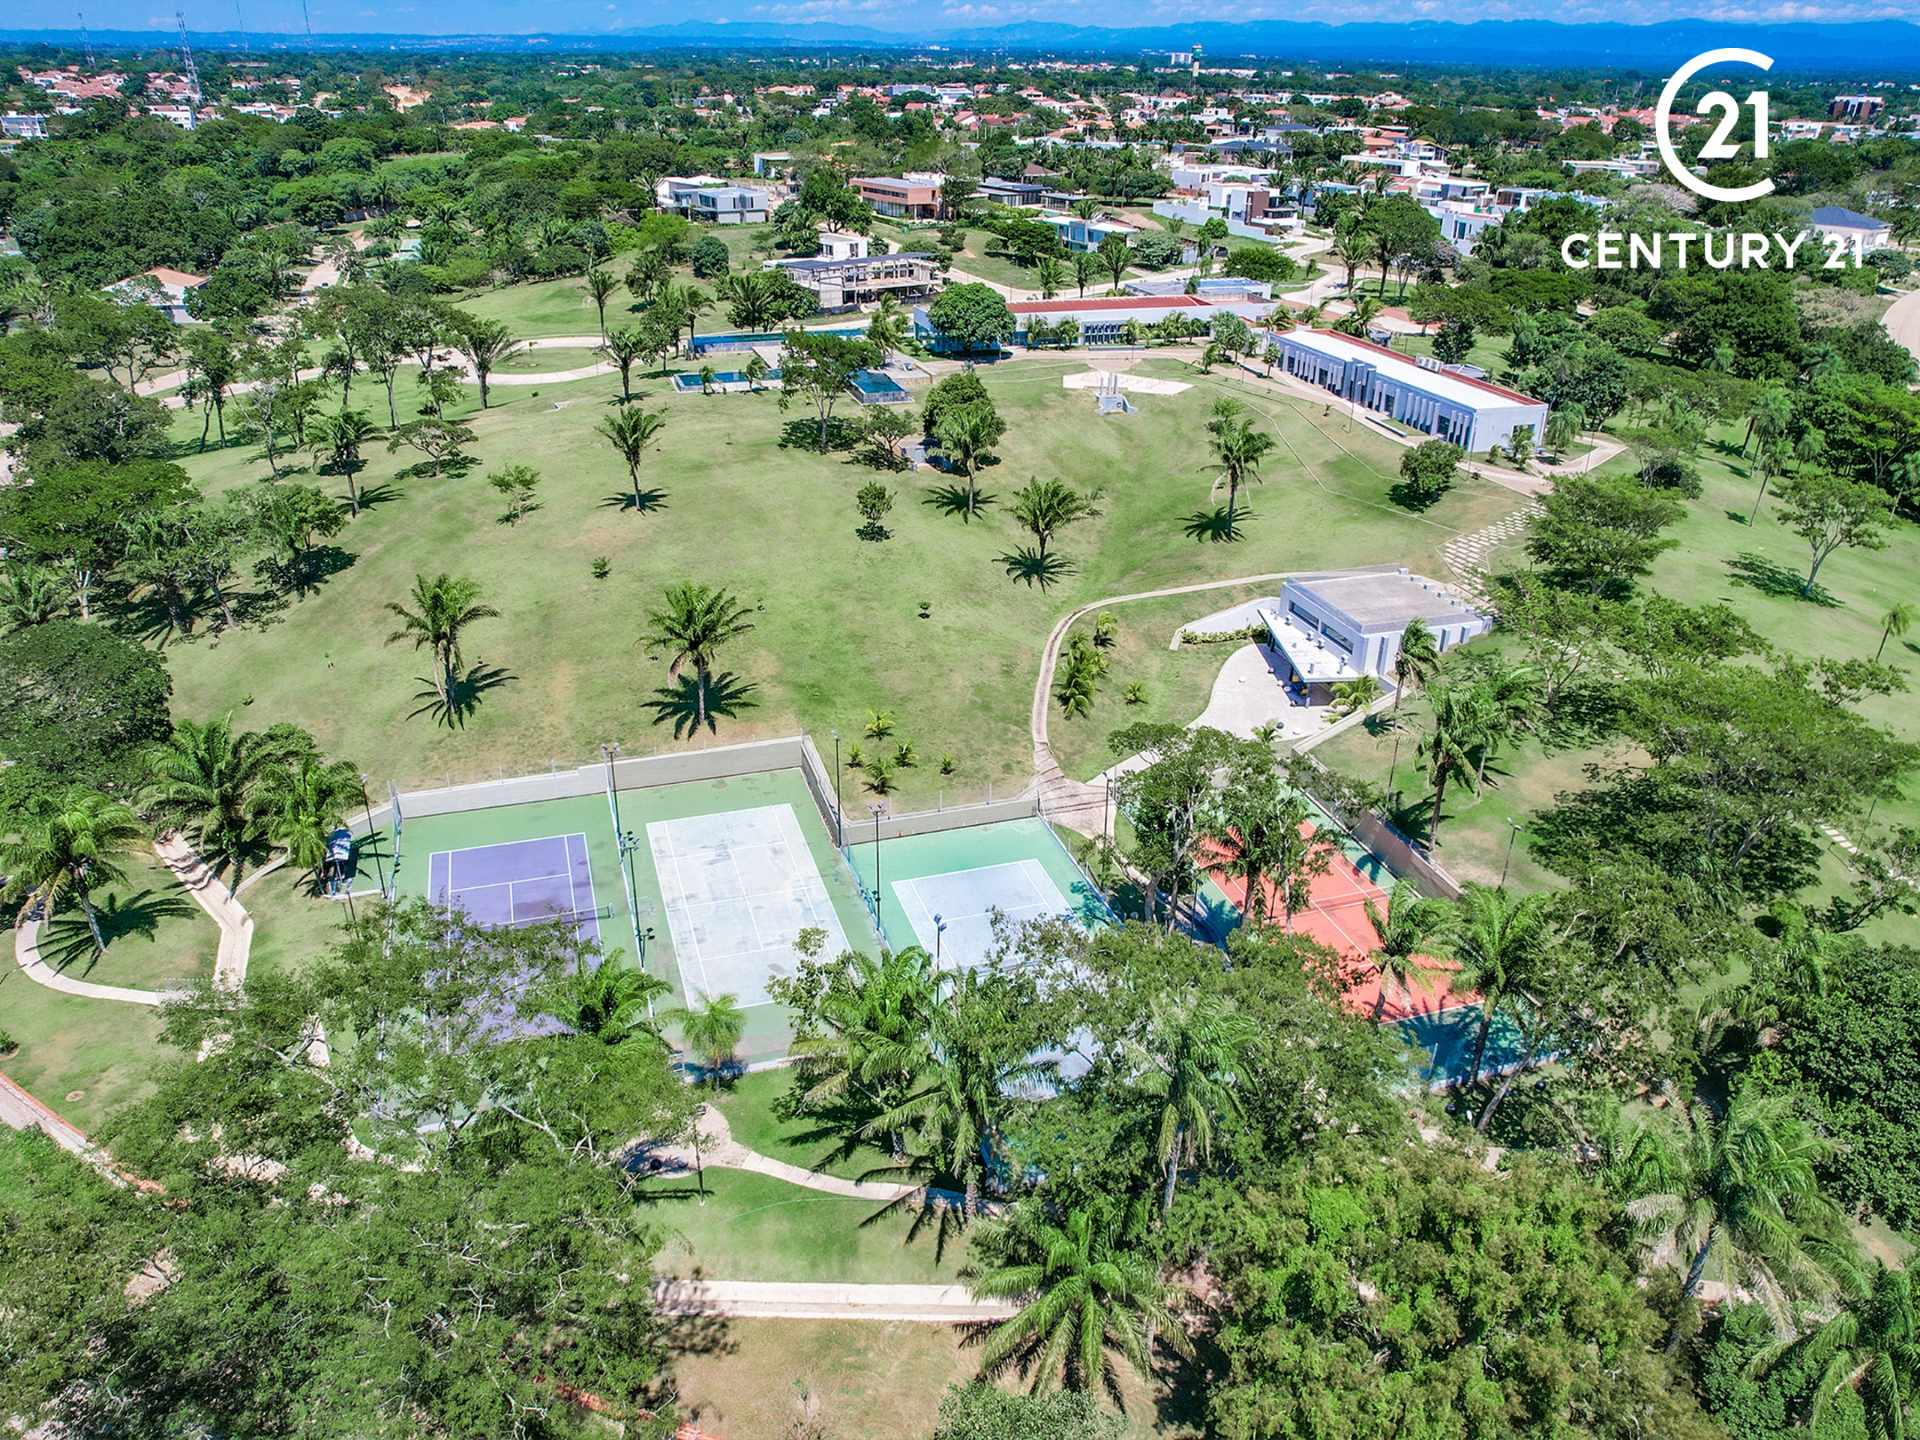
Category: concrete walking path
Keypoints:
(804, 1300)
(719, 1148)
(1903, 321)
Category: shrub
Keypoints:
(709, 258)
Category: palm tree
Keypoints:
(74, 846)
(1350, 244)
(206, 782)
(1564, 425)
(707, 377)
(304, 801)
(1085, 267)
(712, 1030)
(1897, 621)
(650, 270)
(607, 1000)
(949, 1116)
(1051, 274)
(1447, 747)
(967, 433)
(1496, 939)
(888, 329)
(1871, 1346)
(600, 285)
(755, 370)
(873, 1030)
(1410, 923)
(1194, 1051)
(443, 607)
(1738, 1189)
(695, 622)
(1087, 1291)
(1115, 254)
(31, 595)
(1238, 449)
(630, 432)
(341, 437)
(485, 343)
(1045, 507)
(682, 303)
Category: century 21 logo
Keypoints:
(1718, 146)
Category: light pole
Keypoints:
(1106, 811)
(839, 806)
(939, 930)
(1513, 833)
(879, 810)
(380, 864)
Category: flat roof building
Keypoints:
(1340, 625)
(842, 282)
(900, 199)
(1473, 414)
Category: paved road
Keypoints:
(1903, 321)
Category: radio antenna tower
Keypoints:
(308, 16)
(186, 63)
(86, 39)
(246, 51)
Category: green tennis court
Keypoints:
(942, 891)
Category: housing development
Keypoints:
(987, 729)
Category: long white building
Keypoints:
(1473, 414)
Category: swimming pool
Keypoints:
(684, 382)
(875, 387)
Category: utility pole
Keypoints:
(186, 64)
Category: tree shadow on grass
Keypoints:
(1770, 577)
(1036, 568)
(372, 497)
(679, 702)
(458, 706)
(1217, 525)
(67, 944)
(299, 576)
(804, 434)
(952, 500)
(1408, 498)
(644, 503)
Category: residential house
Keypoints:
(912, 197)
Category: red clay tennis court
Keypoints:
(1335, 916)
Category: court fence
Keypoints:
(1373, 830)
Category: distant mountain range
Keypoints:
(1879, 48)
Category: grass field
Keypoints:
(546, 361)
(745, 1379)
(157, 935)
(837, 630)
(748, 1105)
(753, 1227)
(85, 1058)
(1755, 569)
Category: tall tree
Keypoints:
(484, 343)
(630, 432)
(68, 850)
(1238, 449)
(340, 438)
(443, 608)
(694, 623)
(304, 801)
(1407, 927)
(1194, 1049)
(1498, 940)
(967, 434)
(207, 781)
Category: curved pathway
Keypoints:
(718, 1147)
(195, 877)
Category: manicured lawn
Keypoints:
(1178, 682)
(157, 935)
(753, 1227)
(871, 1381)
(540, 362)
(749, 1105)
(85, 1058)
(291, 927)
(836, 625)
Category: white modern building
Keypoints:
(1341, 625)
(1418, 393)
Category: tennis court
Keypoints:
(520, 882)
(942, 891)
(739, 888)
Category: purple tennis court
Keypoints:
(520, 882)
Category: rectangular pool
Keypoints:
(874, 387)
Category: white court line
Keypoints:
(683, 904)
(501, 844)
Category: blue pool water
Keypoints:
(720, 377)
(873, 385)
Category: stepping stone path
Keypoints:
(1467, 555)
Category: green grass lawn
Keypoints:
(157, 935)
(1754, 568)
(84, 1058)
(836, 627)
(875, 1380)
(753, 1227)
(540, 362)
(748, 1105)
(1178, 682)
(292, 927)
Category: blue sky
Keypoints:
(599, 16)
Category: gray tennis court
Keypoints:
(740, 886)
(953, 913)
